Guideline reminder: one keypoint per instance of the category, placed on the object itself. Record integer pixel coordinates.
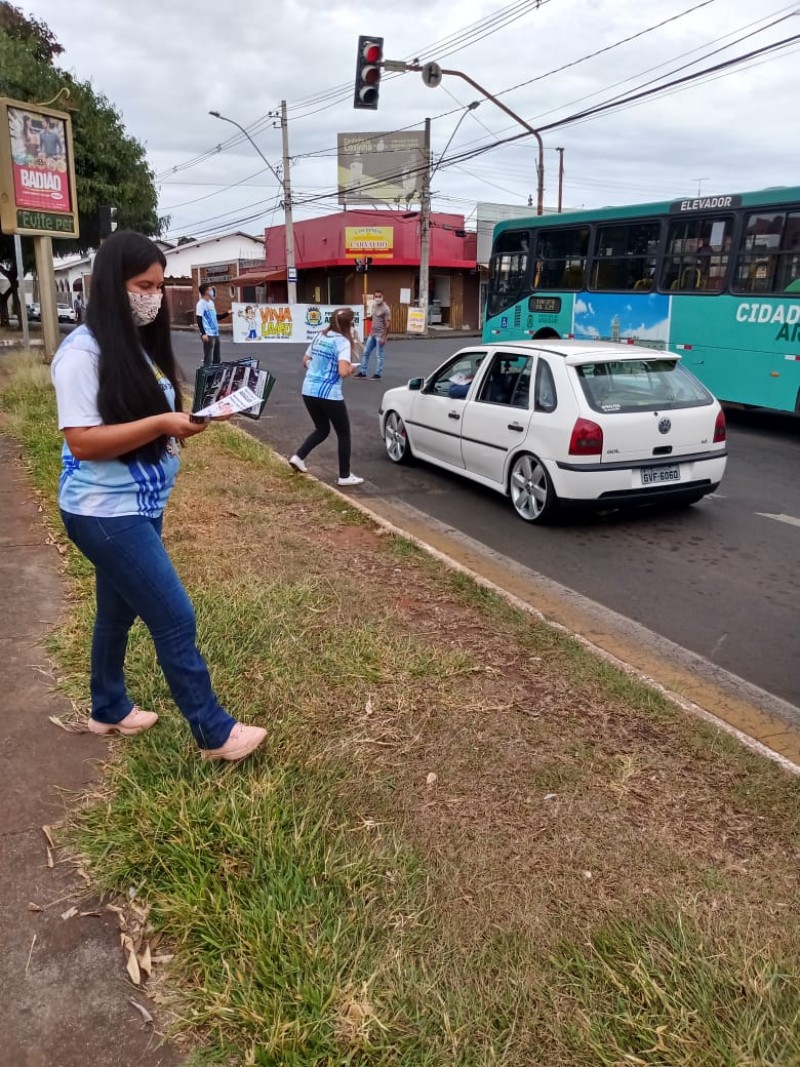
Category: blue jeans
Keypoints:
(372, 342)
(135, 576)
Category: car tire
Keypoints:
(531, 489)
(395, 439)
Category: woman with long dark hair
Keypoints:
(120, 411)
(329, 358)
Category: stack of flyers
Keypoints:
(217, 381)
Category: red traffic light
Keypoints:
(373, 53)
(368, 72)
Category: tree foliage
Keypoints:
(110, 166)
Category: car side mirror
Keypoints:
(416, 384)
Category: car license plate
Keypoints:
(658, 475)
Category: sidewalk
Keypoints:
(66, 995)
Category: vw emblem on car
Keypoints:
(664, 426)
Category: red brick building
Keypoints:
(326, 249)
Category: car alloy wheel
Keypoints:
(396, 439)
(531, 490)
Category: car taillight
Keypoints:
(720, 430)
(586, 439)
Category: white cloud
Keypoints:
(656, 331)
(165, 65)
(587, 331)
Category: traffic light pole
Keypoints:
(432, 73)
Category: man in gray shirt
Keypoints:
(381, 317)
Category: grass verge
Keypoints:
(468, 841)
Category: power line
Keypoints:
(471, 34)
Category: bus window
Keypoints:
(561, 258)
(625, 256)
(508, 270)
(769, 260)
(696, 256)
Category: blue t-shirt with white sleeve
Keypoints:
(207, 311)
(322, 375)
(104, 487)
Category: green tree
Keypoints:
(110, 166)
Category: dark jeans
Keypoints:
(211, 350)
(135, 576)
(327, 413)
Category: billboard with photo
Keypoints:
(382, 167)
(37, 171)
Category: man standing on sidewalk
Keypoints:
(208, 323)
(381, 317)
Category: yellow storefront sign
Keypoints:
(375, 241)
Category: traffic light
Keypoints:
(108, 220)
(368, 73)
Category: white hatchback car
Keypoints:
(563, 422)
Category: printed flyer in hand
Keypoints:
(218, 381)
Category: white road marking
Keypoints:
(790, 519)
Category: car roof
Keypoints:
(584, 351)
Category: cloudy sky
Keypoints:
(165, 64)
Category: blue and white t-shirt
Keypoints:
(322, 376)
(106, 487)
(206, 311)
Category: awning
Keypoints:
(259, 278)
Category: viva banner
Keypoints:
(286, 323)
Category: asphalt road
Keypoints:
(721, 579)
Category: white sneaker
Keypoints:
(351, 479)
(298, 464)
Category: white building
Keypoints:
(212, 251)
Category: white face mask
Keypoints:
(145, 307)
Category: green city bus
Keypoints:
(714, 278)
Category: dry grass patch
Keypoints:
(467, 842)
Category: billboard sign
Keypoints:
(375, 241)
(287, 323)
(37, 172)
(381, 167)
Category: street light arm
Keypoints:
(515, 117)
(470, 107)
(233, 122)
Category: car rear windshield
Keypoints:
(640, 385)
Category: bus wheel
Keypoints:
(531, 490)
(546, 332)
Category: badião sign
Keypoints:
(37, 171)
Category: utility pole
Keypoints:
(560, 176)
(425, 226)
(286, 186)
(291, 269)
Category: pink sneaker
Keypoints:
(242, 741)
(135, 722)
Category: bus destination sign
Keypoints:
(704, 203)
(545, 305)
